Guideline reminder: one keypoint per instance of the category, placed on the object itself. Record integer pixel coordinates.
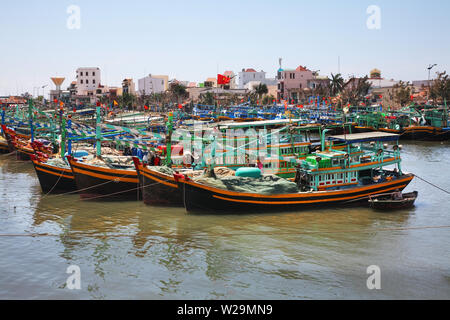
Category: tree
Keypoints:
(402, 93)
(268, 99)
(128, 100)
(207, 98)
(261, 89)
(355, 90)
(336, 84)
(178, 91)
(440, 89)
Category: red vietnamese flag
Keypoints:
(145, 107)
(221, 79)
(55, 100)
(180, 106)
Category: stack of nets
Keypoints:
(57, 162)
(267, 184)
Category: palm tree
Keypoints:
(178, 91)
(261, 89)
(336, 84)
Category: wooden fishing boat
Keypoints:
(199, 197)
(95, 182)
(328, 178)
(54, 179)
(157, 188)
(4, 148)
(389, 202)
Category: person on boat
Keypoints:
(297, 174)
(151, 159)
(259, 164)
(157, 160)
(397, 195)
(145, 158)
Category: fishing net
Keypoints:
(268, 184)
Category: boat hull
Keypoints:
(425, 134)
(95, 182)
(54, 179)
(4, 148)
(24, 154)
(198, 197)
(159, 188)
(389, 204)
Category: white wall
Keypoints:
(88, 79)
(149, 85)
(246, 77)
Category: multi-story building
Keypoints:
(166, 80)
(88, 80)
(293, 81)
(151, 84)
(232, 76)
(210, 83)
(128, 87)
(247, 75)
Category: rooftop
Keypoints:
(365, 137)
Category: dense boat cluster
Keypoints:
(239, 159)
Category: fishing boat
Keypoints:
(389, 201)
(105, 183)
(158, 188)
(4, 148)
(425, 123)
(54, 178)
(330, 177)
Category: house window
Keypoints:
(93, 81)
(87, 81)
(81, 81)
(93, 73)
(81, 73)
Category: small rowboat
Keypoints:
(387, 201)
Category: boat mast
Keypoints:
(98, 134)
(30, 115)
(169, 140)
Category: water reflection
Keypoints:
(130, 250)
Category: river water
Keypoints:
(129, 250)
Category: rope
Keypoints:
(45, 195)
(431, 184)
(241, 234)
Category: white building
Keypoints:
(88, 80)
(251, 75)
(149, 85)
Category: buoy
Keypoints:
(248, 172)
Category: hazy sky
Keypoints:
(192, 40)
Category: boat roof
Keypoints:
(365, 137)
(259, 123)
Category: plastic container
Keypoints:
(248, 172)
